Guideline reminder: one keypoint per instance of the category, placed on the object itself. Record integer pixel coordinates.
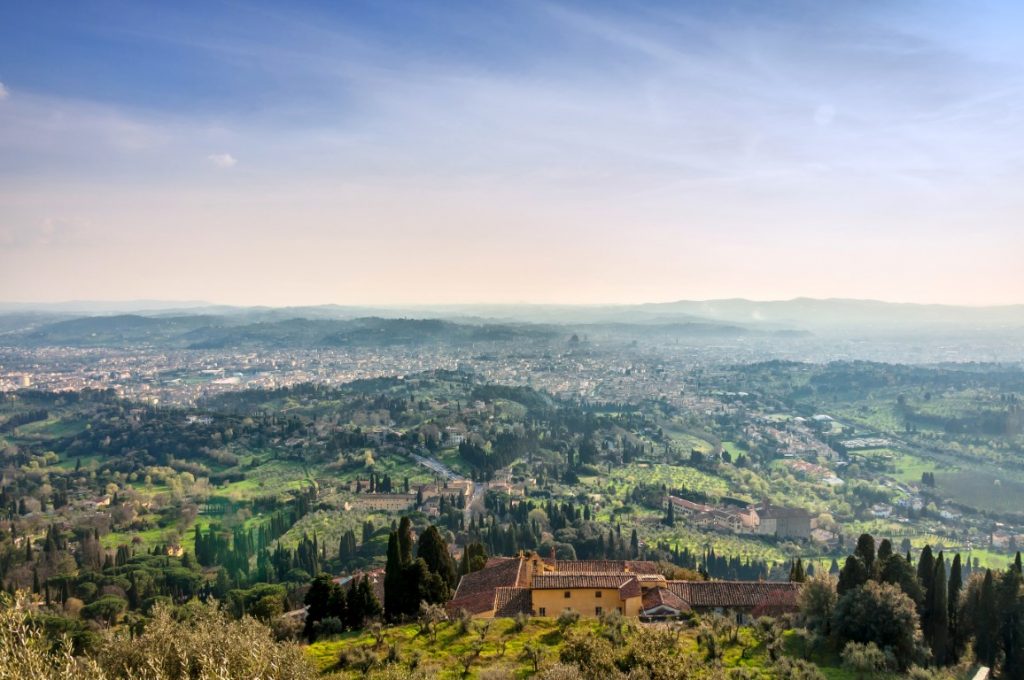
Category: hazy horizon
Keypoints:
(529, 153)
(171, 304)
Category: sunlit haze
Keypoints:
(562, 152)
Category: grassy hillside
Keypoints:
(496, 649)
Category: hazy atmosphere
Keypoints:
(512, 340)
(382, 153)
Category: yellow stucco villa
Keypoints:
(539, 586)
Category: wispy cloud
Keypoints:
(47, 233)
(4, 92)
(616, 138)
(222, 160)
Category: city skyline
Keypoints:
(561, 153)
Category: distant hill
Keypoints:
(842, 313)
(258, 328)
(686, 317)
(219, 332)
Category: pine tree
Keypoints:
(634, 545)
(670, 514)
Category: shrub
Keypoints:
(561, 671)
(818, 603)
(358, 658)
(25, 653)
(865, 660)
(567, 619)
(519, 622)
(206, 643)
(796, 669)
(594, 656)
(327, 627)
(882, 614)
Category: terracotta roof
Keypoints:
(557, 581)
(663, 597)
(604, 566)
(763, 595)
(630, 588)
(476, 591)
(779, 512)
(511, 601)
(690, 505)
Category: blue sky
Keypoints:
(402, 152)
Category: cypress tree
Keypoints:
(405, 540)
(865, 550)
(393, 579)
(926, 575)
(852, 575)
(355, 611)
(317, 602)
(953, 609)
(938, 633)
(371, 606)
(1011, 622)
(985, 638)
(433, 550)
(884, 550)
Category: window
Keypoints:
(597, 594)
(568, 594)
(598, 611)
(543, 611)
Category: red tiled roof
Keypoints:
(630, 588)
(604, 566)
(663, 597)
(511, 601)
(476, 591)
(557, 581)
(765, 595)
(780, 512)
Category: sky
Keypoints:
(513, 151)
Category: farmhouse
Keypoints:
(534, 585)
(392, 502)
(784, 522)
(727, 517)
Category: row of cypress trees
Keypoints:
(429, 577)
(991, 611)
